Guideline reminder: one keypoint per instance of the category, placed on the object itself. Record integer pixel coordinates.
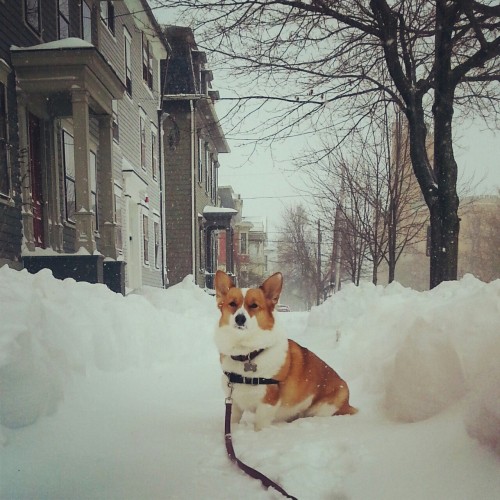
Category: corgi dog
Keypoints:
(264, 371)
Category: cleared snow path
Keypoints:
(152, 428)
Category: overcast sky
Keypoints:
(265, 179)
(265, 182)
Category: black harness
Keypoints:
(236, 378)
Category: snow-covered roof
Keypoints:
(218, 210)
(65, 43)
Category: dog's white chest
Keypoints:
(248, 397)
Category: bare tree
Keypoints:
(296, 253)
(370, 187)
(429, 57)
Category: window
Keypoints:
(243, 243)
(68, 150)
(63, 18)
(207, 168)
(86, 22)
(154, 155)
(215, 166)
(200, 162)
(108, 14)
(128, 61)
(145, 238)
(157, 244)
(147, 62)
(116, 128)
(32, 14)
(93, 188)
(118, 219)
(4, 145)
(213, 187)
(142, 132)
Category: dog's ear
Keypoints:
(222, 285)
(272, 287)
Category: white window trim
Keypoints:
(127, 38)
(154, 152)
(118, 193)
(157, 258)
(143, 119)
(145, 262)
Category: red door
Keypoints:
(36, 179)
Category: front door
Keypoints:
(35, 165)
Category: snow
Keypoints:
(65, 43)
(111, 397)
(208, 209)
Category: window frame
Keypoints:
(154, 152)
(107, 15)
(28, 10)
(145, 239)
(67, 177)
(64, 17)
(118, 219)
(147, 62)
(157, 242)
(93, 182)
(142, 138)
(207, 168)
(88, 23)
(244, 247)
(200, 160)
(127, 53)
(116, 120)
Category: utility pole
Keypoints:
(337, 248)
(318, 271)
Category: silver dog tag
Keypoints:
(249, 366)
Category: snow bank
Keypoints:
(51, 329)
(421, 352)
(132, 387)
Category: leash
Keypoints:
(232, 455)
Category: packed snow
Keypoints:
(111, 397)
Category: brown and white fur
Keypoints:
(307, 385)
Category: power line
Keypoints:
(274, 197)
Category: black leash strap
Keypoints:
(244, 467)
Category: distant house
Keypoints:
(253, 254)
(478, 246)
(194, 140)
(249, 257)
(80, 173)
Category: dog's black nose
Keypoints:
(240, 319)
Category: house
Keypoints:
(252, 266)
(248, 262)
(80, 151)
(194, 140)
(228, 241)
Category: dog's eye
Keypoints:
(233, 304)
(253, 306)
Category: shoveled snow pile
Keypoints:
(111, 397)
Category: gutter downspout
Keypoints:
(162, 116)
(194, 217)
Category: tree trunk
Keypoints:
(444, 214)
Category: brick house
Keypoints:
(80, 173)
(193, 141)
